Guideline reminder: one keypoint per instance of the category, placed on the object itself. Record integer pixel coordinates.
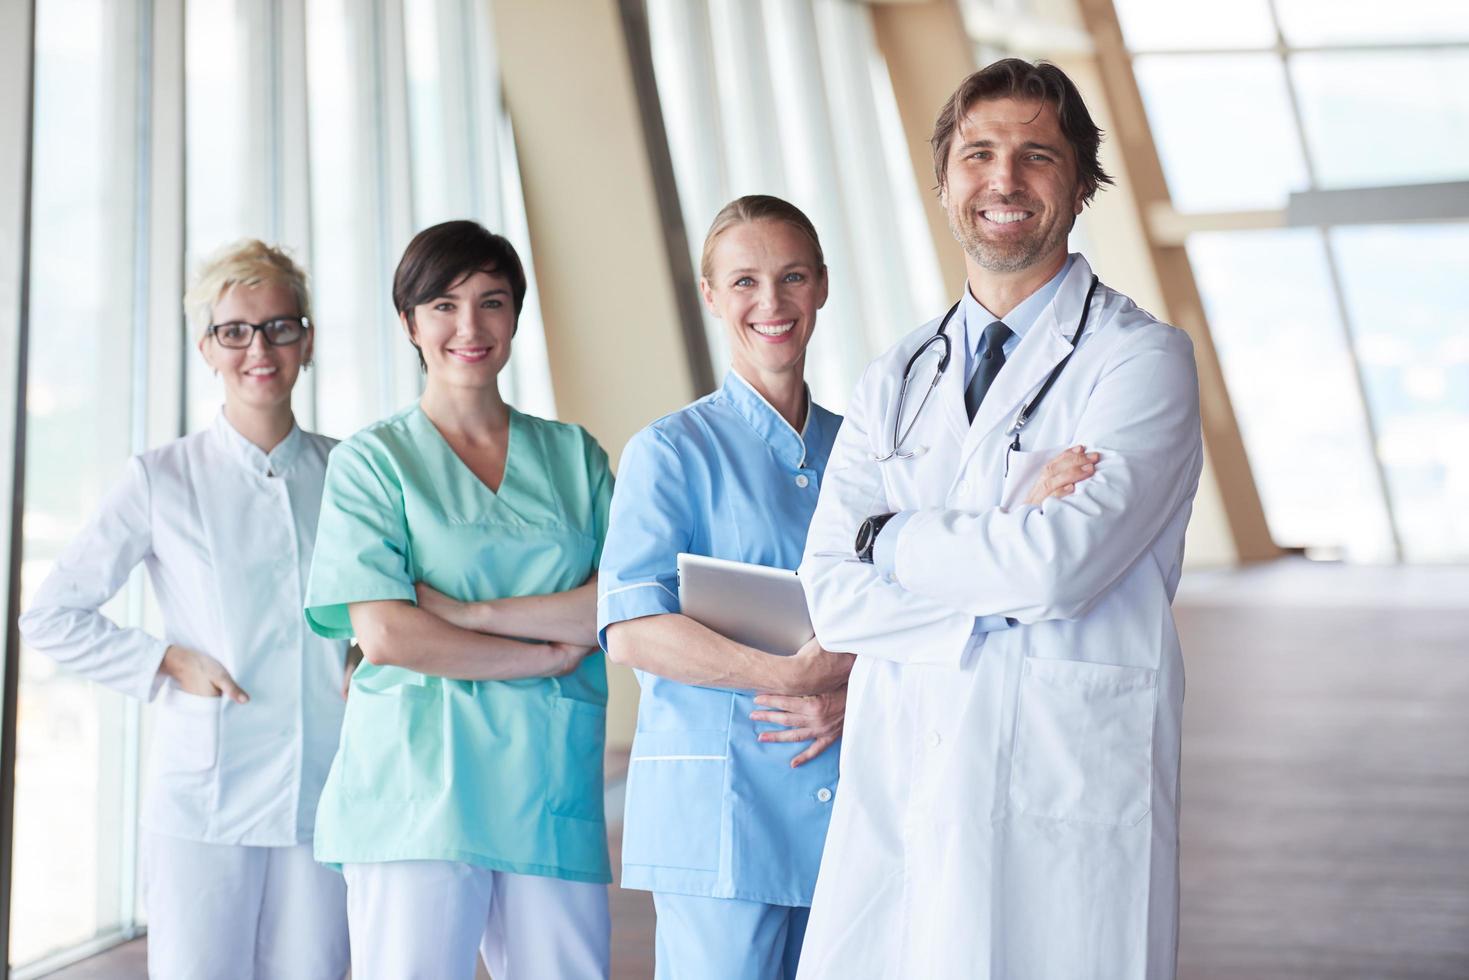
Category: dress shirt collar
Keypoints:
(751, 406)
(1020, 319)
(275, 463)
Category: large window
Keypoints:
(1344, 345)
(72, 879)
(335, 128)
(831, 143)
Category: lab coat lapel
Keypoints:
(1042, 348)
(950, 392)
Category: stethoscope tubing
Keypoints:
(899, 438)
(1022, 418)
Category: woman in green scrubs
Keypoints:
(465, 802)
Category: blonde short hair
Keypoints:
(757, 207)
(248, 262)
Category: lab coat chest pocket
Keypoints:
(394, 743)
(1084, 742)
(187, 732)
(1023, 469)
(675, 800)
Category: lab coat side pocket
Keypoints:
(675, 800)
(187, 732)
(393, 743)
(1084, 742)
(579, 729)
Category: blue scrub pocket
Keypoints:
(675, 800)
(394, 744)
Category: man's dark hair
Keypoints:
(442, 255)
(1043, 82)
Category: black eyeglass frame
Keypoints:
(214, 328)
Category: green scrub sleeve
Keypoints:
(601, 482)
(361, 552)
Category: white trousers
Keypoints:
(423, 920)
(231, 912)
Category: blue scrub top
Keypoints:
(711, 811)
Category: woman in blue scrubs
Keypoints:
(465, 803)
(728, 794)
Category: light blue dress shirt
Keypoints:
(975, 318)
(711, 811)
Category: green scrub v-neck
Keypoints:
(500, 774)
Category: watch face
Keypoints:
(864, 537)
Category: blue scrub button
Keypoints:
(824, 795)
(802, 480)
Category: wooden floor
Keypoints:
(1326, 782)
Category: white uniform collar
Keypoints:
(275, 463)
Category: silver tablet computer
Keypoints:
(756, 605)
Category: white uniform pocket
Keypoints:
(1084, 742)
(187, 731)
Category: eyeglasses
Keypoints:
(280, 332)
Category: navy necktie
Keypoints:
(991, 359)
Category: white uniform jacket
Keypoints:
(1009, 804)
(226, 533)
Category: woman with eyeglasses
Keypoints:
(248, 701)
(459, 543)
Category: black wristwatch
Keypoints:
(867, 535)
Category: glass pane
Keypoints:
(225, 83)
(1169, 24)
(1313, 22)
(1224, 131)
(69, 842)
(1375, 118)
(526, 382)
(228, 156)
(1404, 287)
(438, 114)
(1269, 302)
(358, 343)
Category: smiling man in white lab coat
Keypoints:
(1009, 800)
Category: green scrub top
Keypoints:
(501, 774)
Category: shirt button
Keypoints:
(802, 481)
(823, 795)
(934, 738)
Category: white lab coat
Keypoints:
(226, 533)
(1009, 802)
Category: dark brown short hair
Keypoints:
(758, 207)
(442, 255)
(1041, 81)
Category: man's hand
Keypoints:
(814, 670)
(1062, 474)
(815, 718)
(200, 674)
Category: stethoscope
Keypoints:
(1022, 418)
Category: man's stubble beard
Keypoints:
(1012, 257)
